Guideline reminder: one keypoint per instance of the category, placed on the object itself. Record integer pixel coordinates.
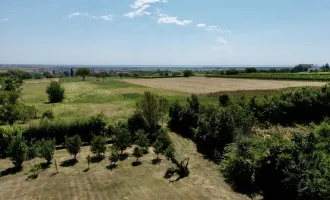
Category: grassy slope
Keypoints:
(145, 181)
(116, 99)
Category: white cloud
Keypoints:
(76, 14)
(163, 18)
(213, 28)
(138, 12)
(5, 19)
(222, 41)
(140, 3)
(200, 25)
(104, 17)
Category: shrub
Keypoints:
(114, 156)
(17, 151)
(73, 145)
(142, 140)
(98, 145)
(48, 114)
(55, 92)
(188, 73)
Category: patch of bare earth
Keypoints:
(203, 85)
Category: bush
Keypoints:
(49, 114)
(73, 145)
(46, 149)
(114, 156)
(188, 73)
(17, 151)
(55, 92)
(98, 145)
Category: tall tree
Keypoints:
(151, 107)
(83, 72)
(55, 92)
(73, 145)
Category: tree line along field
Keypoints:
(319, 76)
(225, 129)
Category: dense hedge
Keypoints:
(57, 129)
(277, 76)
(281, 168)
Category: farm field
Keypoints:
(202, 85)
(145, 181)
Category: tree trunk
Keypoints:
(84, 78)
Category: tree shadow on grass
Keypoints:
(11, 170)
(169, 173)
(86, 170)
(69, 163)
(112, 166)
(97, 159)
(123, 156)
(45, 165)
(136, 163)
(32, 176)
(156, 161)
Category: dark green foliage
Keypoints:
(38, 76)
(300, 106)
(142, 140)
(11, 108)
(55, 92)
(98, 145)
(17, 151)
(137, 153)
(114, 156)
(232, 72)
(48, 114)
(188, 73)
(46, 149)
(251, 70)
(58, 129)
(122, 140)
(175, 74)
(48, 75)
(218, 126)
(281, 168)
(169, 152)
(161, 144)
(83, 72)
(73, 145)
(224, 100)
(137, 122)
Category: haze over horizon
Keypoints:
(149, 32)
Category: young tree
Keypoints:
(17, 151)
(142, 140)
(120, 75)
(88, 158)
(55, 92)
(161, 144)
(83, 72)
(122, 140)
(104, 75)
(158, 148)
(137, 153)
(163, 107)
(98, 145)
(73, 145)
(46, 149)
(169, 152)
(114, 156)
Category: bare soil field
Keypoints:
(144, 182)
(203, 85)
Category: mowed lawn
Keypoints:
(144, 182)
(113, 97)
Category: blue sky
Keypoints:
(167, 32)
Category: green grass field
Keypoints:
(115, 98)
